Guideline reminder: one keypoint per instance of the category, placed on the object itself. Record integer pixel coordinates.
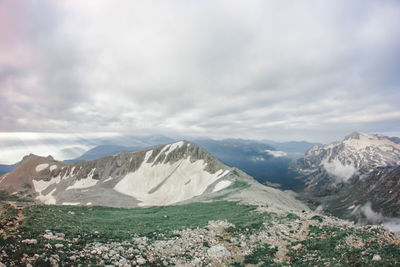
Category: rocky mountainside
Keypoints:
(179, 172)
(257, 226)
(360, 170)
(371, 198)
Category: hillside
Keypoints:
(169, 174)
(218, 233)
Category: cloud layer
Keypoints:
(253, 69)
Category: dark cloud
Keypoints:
(259, 69)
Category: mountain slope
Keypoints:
(361, 169)
(259, 160)
(173, 173)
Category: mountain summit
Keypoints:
(358, 152)
(173, 173)
(351, 176)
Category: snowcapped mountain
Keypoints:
(357, 153)
(346, 177)
(172, 173)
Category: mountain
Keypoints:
(360, 170)
(371, 197)
(292, 149)
(178, 172)
(6, 168)
(211, 215)
(260, 160)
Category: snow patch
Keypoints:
(53, 167)
(3, 177)
(337, 169)
(222, 173)
(108, 179)
(147, 156)
(41, 167)
(47, 199)
(176, 145)
(71, 203)
(351, 207)
(170, 147)
(85, 182)
(221, 185)
(42, 184)
(164, 183)
(276, 153)
(89, 204)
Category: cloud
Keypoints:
(276, 153)
(260, 69)
(342, 172)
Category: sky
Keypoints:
(280, 70)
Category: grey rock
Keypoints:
(218, 252)
(30, 241)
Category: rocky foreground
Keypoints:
(254, 236)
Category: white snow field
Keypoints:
(84, 182)
(41, 167)
(53, 167)
(165, 183)
(221, 185)
(70, 203)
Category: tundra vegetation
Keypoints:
(215, 233)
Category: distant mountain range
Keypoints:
(260, 159)
(357, 178)
(6, 168)
(174, 173)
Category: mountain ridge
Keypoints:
(344, 178)
(165, 175)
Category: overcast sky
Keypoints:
(282, 70)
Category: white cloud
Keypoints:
(276, 153)
(339, 170)
(273, 69)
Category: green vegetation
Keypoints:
(235, 187)
(329, 246)
(263, 254)
(292, 216)
(325, 245)
(4, 196)
(317, 218)
(114, 223)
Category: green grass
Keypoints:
(328, 243)
(114, 223)
(317, 218)
(235, 187)
(4, 196)
(264, 254)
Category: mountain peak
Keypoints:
(357, 152)
(353, 135)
